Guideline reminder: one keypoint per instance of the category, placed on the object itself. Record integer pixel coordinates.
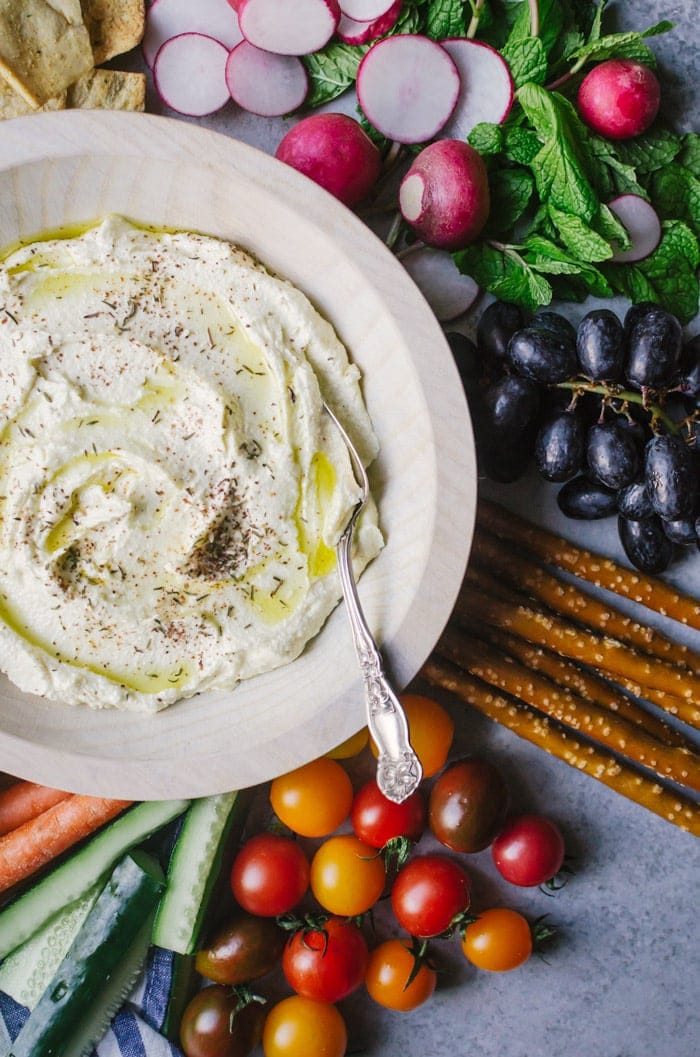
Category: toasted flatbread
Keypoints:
(108, 90)
(115, 26)
(44, 47)
(12, 104)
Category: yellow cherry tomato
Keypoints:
(313, 800)
(302, 1027)
(352, 746)
(347, 876)
(388, 972)
(431, 731)
(499, 940)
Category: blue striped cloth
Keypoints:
(134, 1032)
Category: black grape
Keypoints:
(508, 417)
(466, 358)
(554, 321)
(497, 325)
(681, 531)
(653, 349)
(586, 500)
(559, 446)
(671, 474)
(542, 355)
(633, 501)
(612, 456)
(690, 368)
(646, 544)
(600, 347)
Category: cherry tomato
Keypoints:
(313, 800)
(352, 746)
(300, 1027)
(388, 972)
(377, 820)
(430, 729)
(428, 894)
(499, 939)
(529, 850)
(243, 949)
(347, 875)
(211, 1026)
(327, 963)
(270, 875)
(468, 805)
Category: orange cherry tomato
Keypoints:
(431, 731)
(500, 939)
(388, 972)
(352, 746)
(313, 800)
(347, 875)
(302, 1027)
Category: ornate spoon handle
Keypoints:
(398, 768)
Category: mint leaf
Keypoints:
(628, 45)
(332, 70)
(580, 239)
(559, 167)
(511, 191)
(504, 273)
(527, 60)
(676, 195)
(668, 276)
(689, 156)
(551, 18)
(544, 255)
(611, 175)
(411, 19)
(486, 138)
(610, 227)
(446, 18)
(522, 145)
(650, 151)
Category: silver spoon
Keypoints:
(398, 768)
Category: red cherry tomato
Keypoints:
(326, 963)
(377, 820)
(270, 875)
(529, 850)
(430, 892)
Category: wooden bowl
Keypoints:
(72, 167)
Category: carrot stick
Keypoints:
(484, 662)
(603, 572)
(24, 801)
(35, 843)
(586, 684)
(568, 599)
(538, 730)
(676, 689)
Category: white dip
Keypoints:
(170, 488)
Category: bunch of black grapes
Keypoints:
(609, 410)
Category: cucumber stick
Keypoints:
(23, 917)
(208, 830)
(26, 973)
(105, 940)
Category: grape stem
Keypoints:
(610, 394)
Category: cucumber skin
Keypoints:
(110, 929)
(209, 829)
(26, 914)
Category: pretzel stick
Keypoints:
(586, 684)
(581, 644)
(566, 598)
(537, 729)
(615, 733)
(602, 572)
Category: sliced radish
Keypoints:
(448, 292)
(286, 28)
(643, 227)
(487, 88)
(353, 31)
(365, 10)
(264, 83)
(407, 86)
(190, 74)
(170, 18)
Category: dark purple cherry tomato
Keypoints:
(468, 805)
(243, 949)
(213, 1027)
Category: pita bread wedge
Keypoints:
(44, 47)
(108, 90)
(115, 26)
(12, 104)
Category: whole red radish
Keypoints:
(444, 196)
(619, 98)
(335, 152)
